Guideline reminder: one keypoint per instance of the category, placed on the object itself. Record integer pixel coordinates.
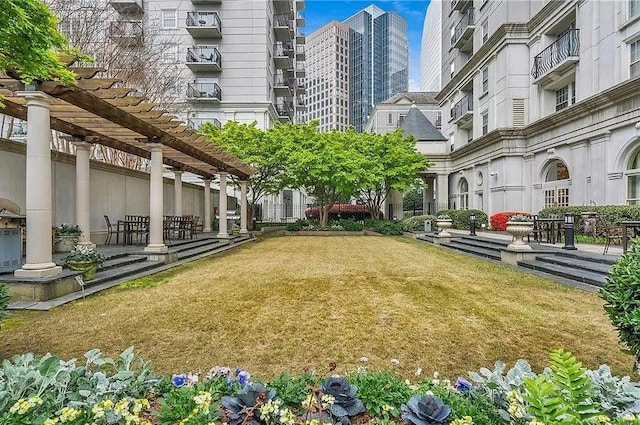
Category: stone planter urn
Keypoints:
(65, 243)
(443, 225)
(88, 268)
(519, 229)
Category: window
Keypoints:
(438, 120)
(170, 55)
(563, 99)
(635, 58)
(633, 180)
(464, 194)
(401, 118)
(390, 118)
(634, 8)
(169, 18)
(485, 122)
(453, 68)
(485, 31)
(485, 79)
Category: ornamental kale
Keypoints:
(462, 385)
(425, 410)
(345, 403)
(244, 409)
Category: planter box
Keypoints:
(324, 233)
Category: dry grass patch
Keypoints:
(288, 303)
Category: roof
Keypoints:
(105, 111)
(417, 97)
(420, 127)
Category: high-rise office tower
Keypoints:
(378, 60)
(327, 71)
(431, 49)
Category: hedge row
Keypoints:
(613, 214)
(461, 218)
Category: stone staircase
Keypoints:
(578, 268)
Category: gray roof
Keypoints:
(420, 127)
(418, 97)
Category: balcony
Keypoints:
(302, 88)
(127, 6)
(300, 4)
(300, 22)
(300, 71)
(204, 92)
(462, 112)
(300, 38)
(129, 33)
(283, 55)
(462, 38)
(282, 6)
(460, 4)
(204, 24)
(300, 53)
(204, 59)
(284, 111)
(283, 27)
(196, 123)
(555, 60)
(283, 86)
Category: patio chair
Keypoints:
(111, 231)
(611, 233)
(537, 230)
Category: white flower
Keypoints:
(363, 359)
(395, 362)
(419, 371)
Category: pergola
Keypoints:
(103, 111)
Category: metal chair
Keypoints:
(111, 231)
(610, 232)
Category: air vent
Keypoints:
(518, 113)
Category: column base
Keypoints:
(42, 270)
(243, 232)
(439, 240)
(512, 257)
(156, 248)
(223, 236)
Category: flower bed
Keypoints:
(499, 220)
(98, 390)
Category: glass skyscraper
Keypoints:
(378, 60)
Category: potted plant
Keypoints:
(67, 236)
(444, 222)
(519, 226)
(86, 260)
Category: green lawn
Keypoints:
(287, 303)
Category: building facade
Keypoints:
(431, 49)
(540, 104)
(327, 71)
(378, 61)
(390, 114)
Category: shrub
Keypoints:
(613, 214)
(297, 225)
(380, 389)
(621, 294)
(341, 211)
(384, 227)
(461, 218)
(4, 302)
(499, 220)
(292, 389)
(416, 223)
(350, 225)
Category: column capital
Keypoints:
(35, 98)
(81, 145)
(222, 173)
(154, 147)
(177, 172)
(206, 181)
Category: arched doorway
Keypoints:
(463, 194)
(633, 179)
(556, 184)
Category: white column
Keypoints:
(243, 207)
(38, 189)
(442, 192)
(156, 238)
(206, 226)
(222, 210)
(177, 186)
(83, 193)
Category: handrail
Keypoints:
(463, 106)
(567, 45)
(466, 21)
(204, 90)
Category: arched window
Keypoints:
(464, 194)
(633, 179)
(556, 184)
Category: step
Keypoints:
(127, 270)
(499, 243)
(493, 254)
(193, 244)
(120, 261)
(591, 256)
(201, 250)
(582, 276)
(576, 263)
(480, 244)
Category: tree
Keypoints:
(326, 165)
(30, 43)
(412, 200)
(264, 150)
(392, 162)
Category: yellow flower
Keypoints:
(107, 404)
(68, 414)
(122, 407)
(602, 419)
(53, 421)
(629, 417)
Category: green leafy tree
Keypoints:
(412, 200)
(264, 150)
(30, 43)
(392, 162)
(327, 165)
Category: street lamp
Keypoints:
(472, 224)
(569, 221)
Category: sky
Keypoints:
(320, 12)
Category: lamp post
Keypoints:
(472, 225)
(569, 220)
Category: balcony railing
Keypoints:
(283, 49)
(300, 52)
(460, 4)
(565, 48)
(284, 110)
(283, 27)
(204, 58)
(281, 80)
(204, 24)
(196, 123)
(463, 30)
(204, 91)
(463, 108)
(127, 6)
(129, 31)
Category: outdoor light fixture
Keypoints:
(472, 225)
(569, 221)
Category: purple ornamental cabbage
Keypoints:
(425, 410)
